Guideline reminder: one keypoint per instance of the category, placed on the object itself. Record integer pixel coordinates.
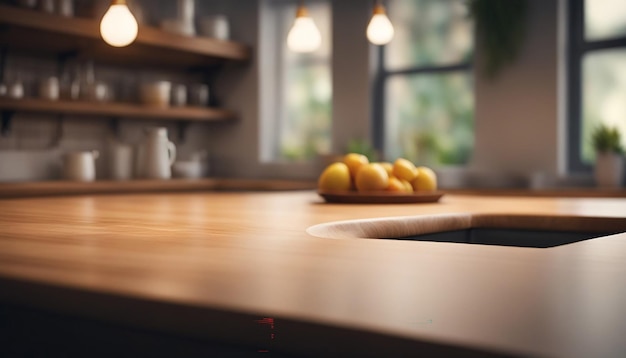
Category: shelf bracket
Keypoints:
(62, 61)
(58, 135)
(5, 125)
(67, 55)
(3, 63)
(114, 126)
(182, 131)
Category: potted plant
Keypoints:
(609, 168)
(501, 32)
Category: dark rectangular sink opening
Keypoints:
(509, 237)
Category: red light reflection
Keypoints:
(267, 321)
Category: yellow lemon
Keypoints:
(407, 186)
(426, 180)
(404, 169)
(396, 185)
(372, 177)
(388, 168)
(354, 161)
(335, 177)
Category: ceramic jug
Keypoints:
(80, 166)
(156, 154)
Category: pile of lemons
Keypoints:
(355, 172)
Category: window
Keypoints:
(297, 123)
(423, 96)
(597, 74)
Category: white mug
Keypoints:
(199, 95)
(16, 90)
(50, 89)
(215, 26)
(179, 95)
(121, 161)
(186, 10)
(156, 93)
(65, 7)
(47, 6)
(80, 166)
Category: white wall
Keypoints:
(352, 73)
(517, 112)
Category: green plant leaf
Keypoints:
(501, 30)
(606, 139)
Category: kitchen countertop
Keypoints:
(214, 264)
(64, 187)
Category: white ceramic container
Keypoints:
(156, 93)
(156, 155)
(121, 161)
(215, 26)
(80, 166)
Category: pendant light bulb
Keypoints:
(380, 30)
(118, 27)
(304, 36)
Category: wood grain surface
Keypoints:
(60, 187)
(208, 264)
(113, 109)
(64, 187)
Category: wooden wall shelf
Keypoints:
(112, 109)
(33, 30)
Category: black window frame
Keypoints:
(380, 85)
(382, 75)
(578, 47)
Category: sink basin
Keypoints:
(486, 229)
(509, 237)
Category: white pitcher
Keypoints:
(156, 155)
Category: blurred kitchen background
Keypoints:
(487, 103)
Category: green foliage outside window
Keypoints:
(429, 114)
(436, 118)
(309, 106)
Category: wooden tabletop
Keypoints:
(212, 264)
(66, 187)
